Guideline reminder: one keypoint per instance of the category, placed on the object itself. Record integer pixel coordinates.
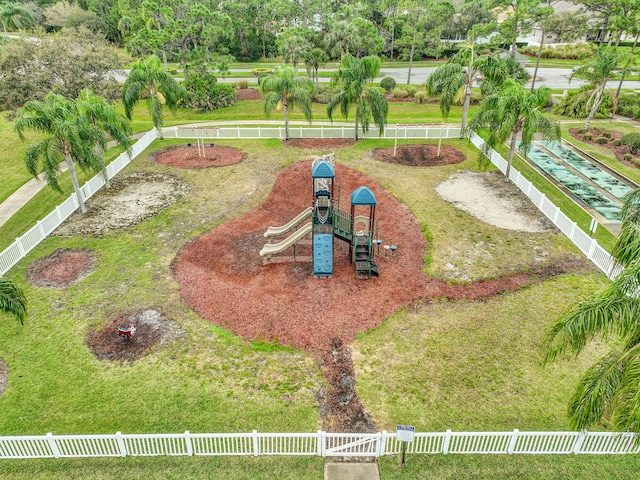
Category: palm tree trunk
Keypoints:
(594, 107)
(286, 120)
(633, 49)
(535, 72)
(512, 149)
(74, 181)
(413, 47)
(393, 30)
(356, 124)
(465, 110)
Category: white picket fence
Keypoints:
(24, 244)
(587, 245)
(390, 132)
(43, 228)
(323, 444)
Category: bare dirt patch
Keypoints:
(180, 156)
(61, 268)
(152, 328)
(4, 376)
(419, 155)
(488, 197)
(132, 198)
(326, 143)
(618, 150)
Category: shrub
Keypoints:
(261, 71)
(419, 96)
(631, 140)
(388, 83)
(601, 140)
(205, 93)
(323, 95)
(581, 131)
(628, 157)
(411, 89)
(606, 134)
(616, 143)
(588, 137)
(241, 84)
(399, 93)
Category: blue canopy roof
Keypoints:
(323, 170)
(363, 196)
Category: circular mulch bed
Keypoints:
(181, 156)
(222, 277)
(61, 268)
(419, 155)
(4, 376)
(152, 327)
(132, 198)
(618, 150)
(328, 143)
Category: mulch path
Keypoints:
(419, 155)
(61, 268)
(618, 150)
(330, 143)
(181, 156)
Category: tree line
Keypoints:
(247, 30)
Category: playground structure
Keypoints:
(328, 221)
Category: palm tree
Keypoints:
(611, 387)
(370, 103)
(510, 111)
(598, 72)
(104, 117)
(341, 38)
(454, 80)
(315, 59)
(14, 15)
(68, 136)
(147, 79)
(12, 300)
(284, 88)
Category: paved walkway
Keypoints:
(351, 471)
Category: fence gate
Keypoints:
(351, 445)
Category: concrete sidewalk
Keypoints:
(351, 471)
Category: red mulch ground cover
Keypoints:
(247, 94)
(419, 155)
(221, 275)
(331, 143)
(60, 268)
(618, 150)
(181, 156)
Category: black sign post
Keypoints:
(404, 434)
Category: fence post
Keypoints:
(53, 445)
(321, 131)
(121, 446)
(512, 441)
(301, 132)
(259, 134)
(280, 133)
(573, 229)
(41, 229)
(20, 247)
(446, 441)
(322, 437)
(256, 443)
(592, 248)
(577, 446)
(382, 444)
(187, 441)
(342, 132)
